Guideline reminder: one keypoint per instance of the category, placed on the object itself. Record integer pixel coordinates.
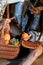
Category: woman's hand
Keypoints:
(37, 10)
(26, 36)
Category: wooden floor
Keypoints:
(39, 61)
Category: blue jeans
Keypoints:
(35, 22)
(24, 22)
(18, 15)
(18, 11)
(34, 26)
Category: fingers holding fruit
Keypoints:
(26, 36)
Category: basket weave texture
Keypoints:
(9, 51)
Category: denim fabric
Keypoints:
(24, 22)
(35, 35)
(41, 39)
(35, 22)
(18, 11)
(33, 38)
(34, 26)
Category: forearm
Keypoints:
(33, 56)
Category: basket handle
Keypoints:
(6, 22)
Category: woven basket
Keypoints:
(9, 51)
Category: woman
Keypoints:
(34, 54)
(34, 6)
